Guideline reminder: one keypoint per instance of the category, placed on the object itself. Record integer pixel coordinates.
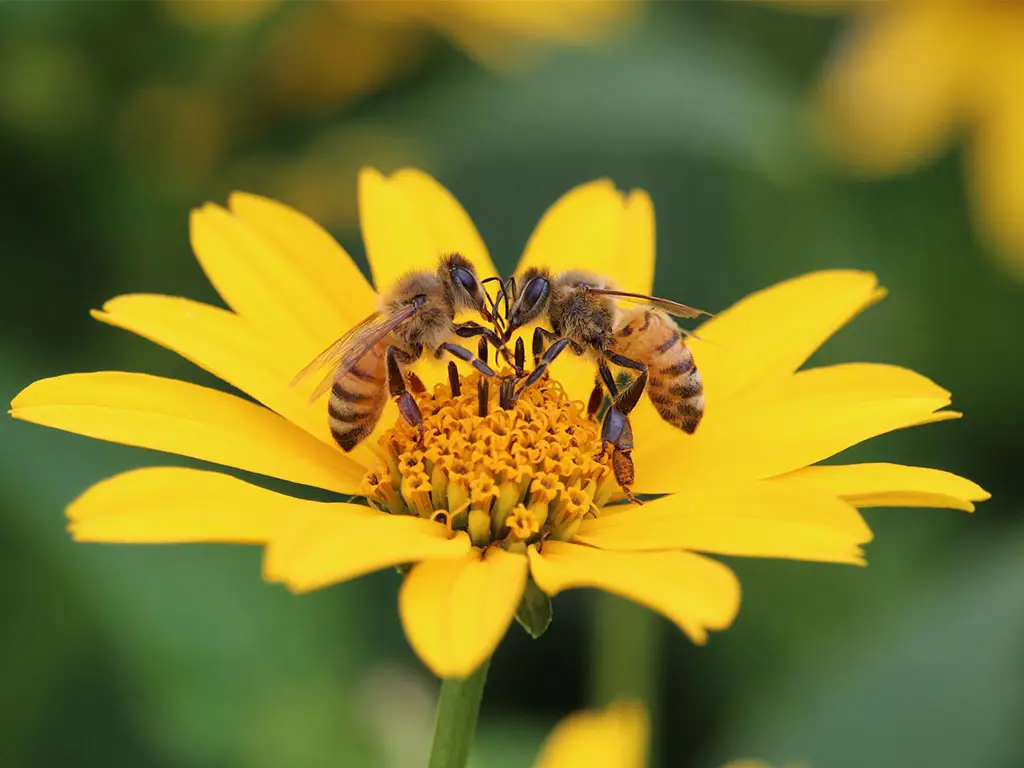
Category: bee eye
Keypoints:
(534, 291)
(465, 278)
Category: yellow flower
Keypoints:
(492, 497)
(911, 75)
(325, 54)
(615, 737)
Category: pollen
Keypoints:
(508, 476)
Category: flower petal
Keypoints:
(804, 419)
(177, 417)
(339, 295)
(450, 226)
(638, 244)
(594, 224)
(615, 737)
(161, 505)
(455, 612)
(261, 282)
(695, 593)
(892, 96)
(750, 520)
(770, 334)
(409, 221)
(338, 542)
(227, 346)
(887, 485)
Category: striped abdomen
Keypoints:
(674, 386)
(357, 399)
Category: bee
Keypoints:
(582, 311)
(417, 313)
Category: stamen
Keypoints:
(453, 379)
(523, 471)
(483, 389)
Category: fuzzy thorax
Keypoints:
(508, 476)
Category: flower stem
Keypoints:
(624, 653)
(457, 710)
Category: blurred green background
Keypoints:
(117, 118)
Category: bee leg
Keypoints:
(396, 386)
(464, 354)
(415, 383)
(626, 401)
(539, 336)
(470, 329)
(596, 400)
(546, 359)
(626, 362)
(617, 432)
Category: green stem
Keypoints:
(625, 653)
(457, 710)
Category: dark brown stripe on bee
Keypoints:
(647, 320)
(690, 414)
(668, 343)
(347, 416)
(678, 369)
(348, 396)
(349, 438)
(691, 387)
(356, 373)
(662, 400)
(626, 330)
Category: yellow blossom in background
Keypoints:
(324, 54)
(496, 502)
(910, 77)
(615, 737)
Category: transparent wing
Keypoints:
(674, 308)
(345, 353)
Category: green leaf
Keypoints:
(534, 612)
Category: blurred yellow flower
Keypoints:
(910, 75)
(323, 54)
(615, 737)
(497, 501)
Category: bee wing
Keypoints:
(674, 308)
(344, 354)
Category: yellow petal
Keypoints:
(395, 237)
(615, 737)
(594, 227)
(341, 295)
(892, 96)
(997, 178)
(338, 542)
(638, 244)
(695, 593)
(800, 421)
(260, 281)
(227, 346)
(887, 485)
(409, 221)
(450, 226)
(177, 417)
(751, 520)
(770, 334)
(455, 612)
(160, 505)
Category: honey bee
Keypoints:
(417, 313)
(582, 311)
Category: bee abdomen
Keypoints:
(355, 405)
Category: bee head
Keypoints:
(532, 301)
(462, 284)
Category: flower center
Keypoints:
(507, 473)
